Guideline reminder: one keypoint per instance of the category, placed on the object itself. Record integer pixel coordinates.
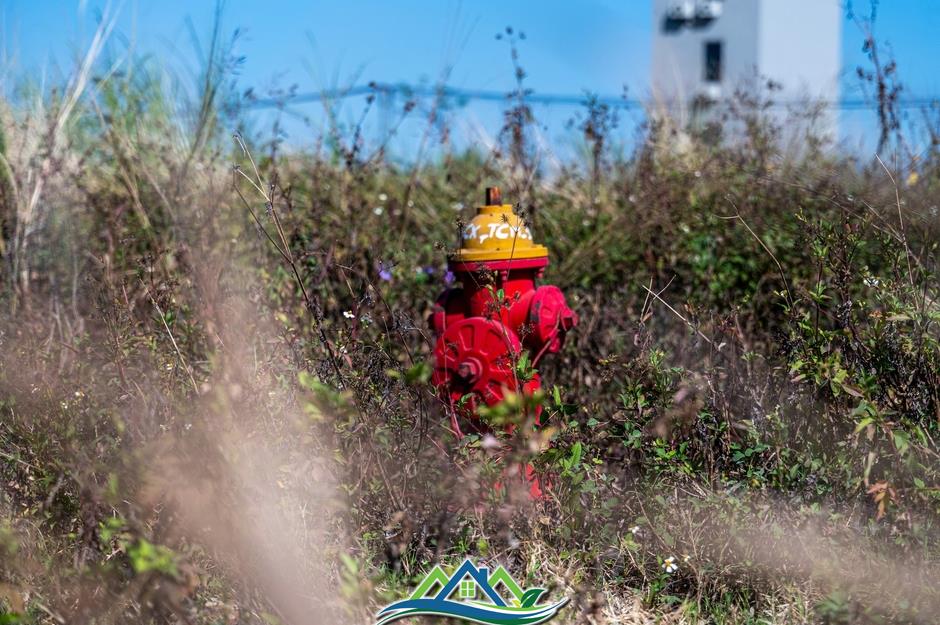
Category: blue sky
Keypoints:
(571, 46)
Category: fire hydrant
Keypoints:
(485, 326)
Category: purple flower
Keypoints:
(385, 272)
(449, 277)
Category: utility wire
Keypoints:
(463, 96)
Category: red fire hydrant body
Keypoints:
(498, 313)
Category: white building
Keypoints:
(708, 48)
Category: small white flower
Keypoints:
(382, 197)
(378, 210)
(635, 530)
(872, 281)
(669, 565)
(79, 394)
(490, 442)
(349, 314)
(686, 558)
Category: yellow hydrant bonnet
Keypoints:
(497, 233)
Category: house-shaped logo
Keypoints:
(470, 594)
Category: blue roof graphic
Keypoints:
(479, 575)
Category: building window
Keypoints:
(468, 589)
(713, 61)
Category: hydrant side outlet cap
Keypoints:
(497, 233)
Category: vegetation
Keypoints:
(214, 385)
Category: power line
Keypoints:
(443, 91)
(464, 96)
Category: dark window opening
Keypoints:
(713, 61)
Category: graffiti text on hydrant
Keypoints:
(496, 231)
